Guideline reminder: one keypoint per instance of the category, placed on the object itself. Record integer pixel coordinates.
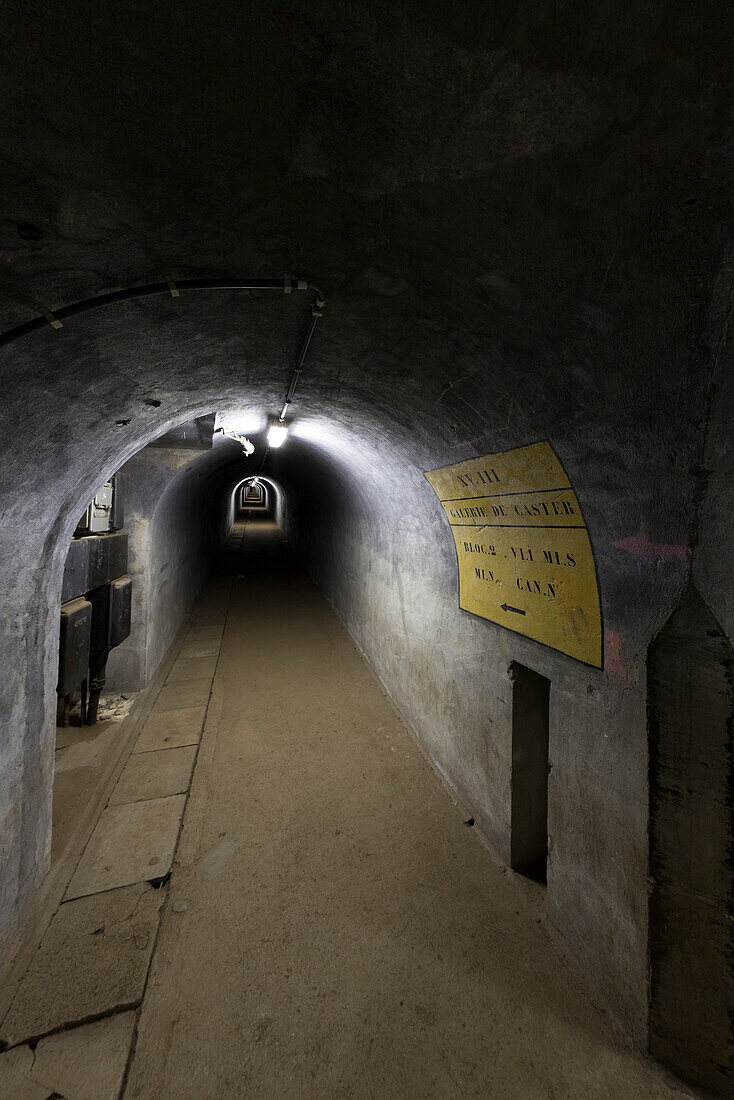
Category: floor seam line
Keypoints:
(163, 910)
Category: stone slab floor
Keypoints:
(329, 926)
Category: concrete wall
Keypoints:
(46, 490)
(371, 531)
(691, 936)
(175, 530)
(712, 530)
(691, 726)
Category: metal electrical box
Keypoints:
(107, 510)
(117, 516)
(117, 566)
(120, 610)
(99, 560)
(76, 625)
(76, 571)
(100, 510)
(108, 558)
(95, 568)
(111, 614)
(93, 561)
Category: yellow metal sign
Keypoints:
(525, 559)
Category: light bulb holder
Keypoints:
(277, 433)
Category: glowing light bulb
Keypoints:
(276, 435)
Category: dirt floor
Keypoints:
(330, 926)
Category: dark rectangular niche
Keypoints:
(529, 781)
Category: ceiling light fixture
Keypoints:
(276, 435)
(278, 430)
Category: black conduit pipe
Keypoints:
(174, 288)
(298, 369)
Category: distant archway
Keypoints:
(273, 497)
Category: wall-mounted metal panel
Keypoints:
(117, 517)
(117, 566)
(76, 571)
(76, 622)
(120, 610)
(99, 560)
(93, 561)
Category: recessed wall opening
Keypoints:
(529, 780)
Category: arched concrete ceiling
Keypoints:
(515, 213)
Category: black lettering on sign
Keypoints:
(498, 510)
(522, 554)
(483, 574)
(479, 548)
(553, 557)
(468, 513)
(542, 508)
(484, 477)
(538, 588)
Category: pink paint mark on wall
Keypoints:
(613, 657)
(642, 548)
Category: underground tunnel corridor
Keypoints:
(328, 922)
(444, 289)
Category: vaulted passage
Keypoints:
(436, 298)
(330, 924)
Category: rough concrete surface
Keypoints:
(186, 693)
(83, 1063)
(15, 1084)
(154, 775)
(171, 729)
(191, 668)
(198, 649)
(81, 759)
(93, 959)
(131, 843)
(334, 927)
(173, 526)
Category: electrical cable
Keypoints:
(286, 285)
(56, 318)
